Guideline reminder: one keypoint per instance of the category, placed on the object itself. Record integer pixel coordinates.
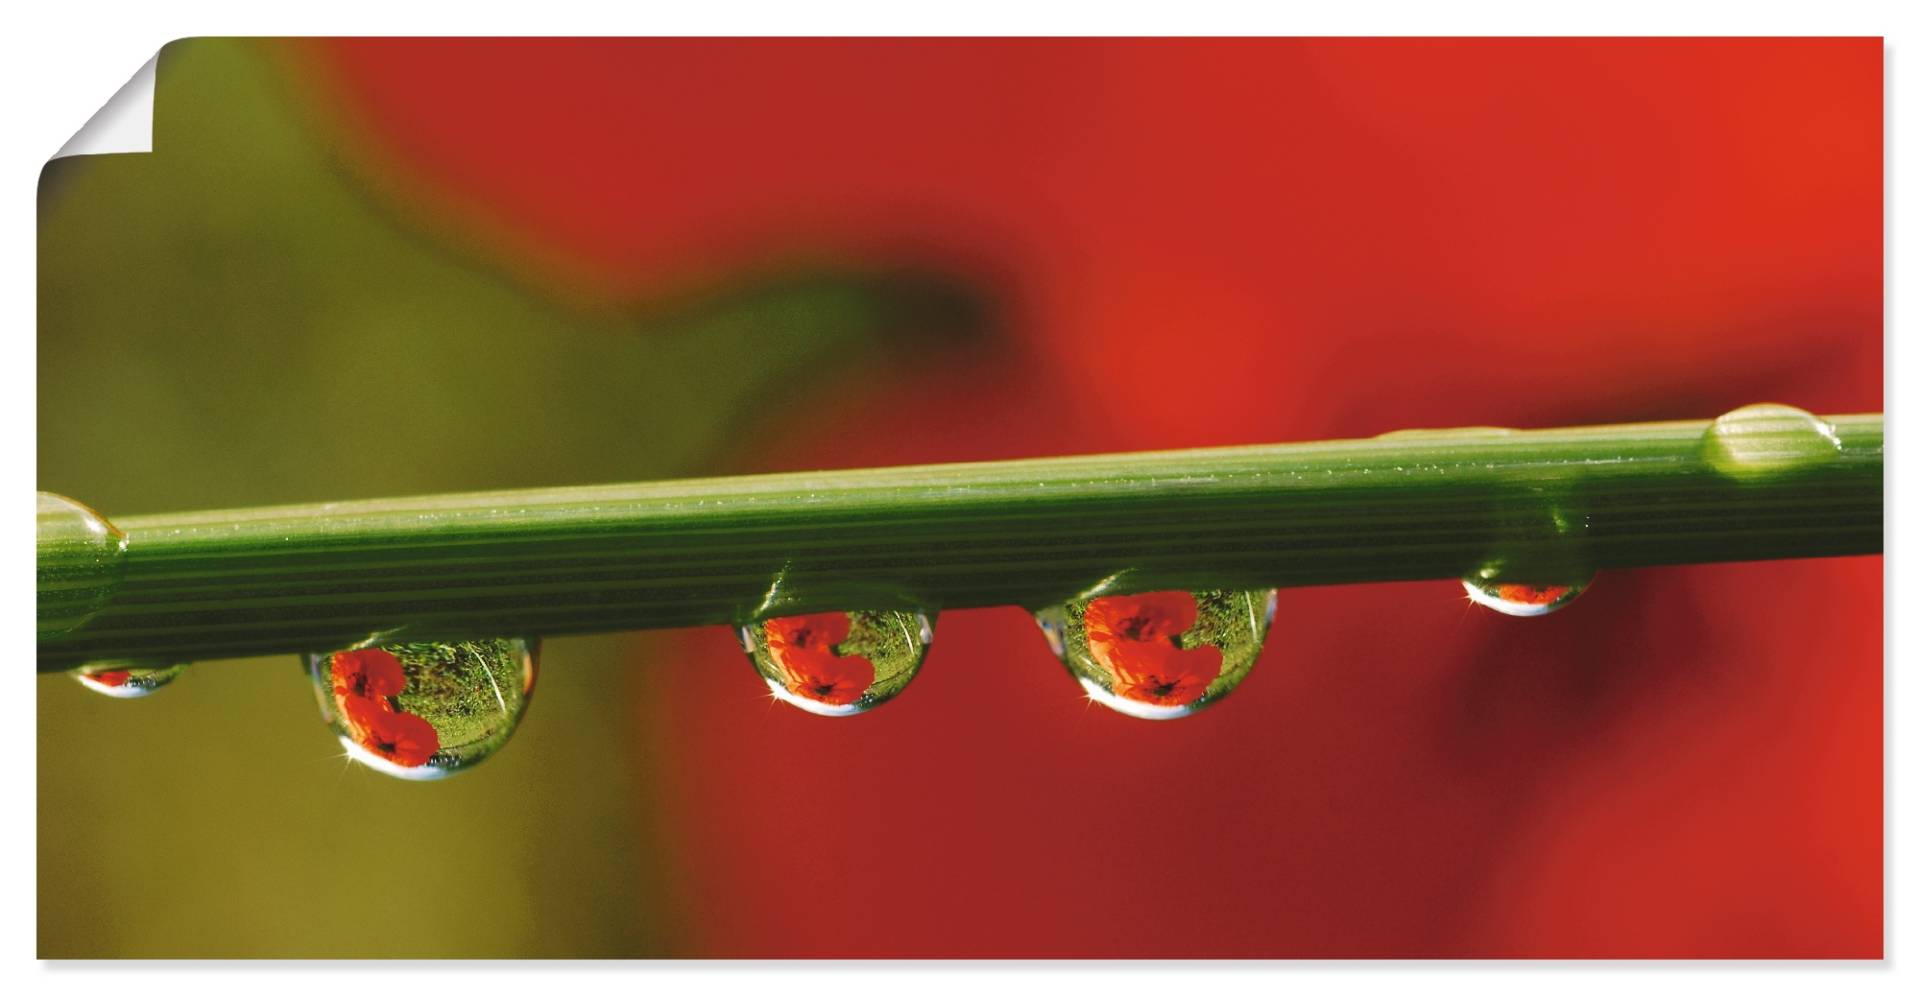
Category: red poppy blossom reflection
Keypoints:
(363, 683)
(1161, 615)
(1521, 599)
(402, 738)
(1161, 673)
(1131, 636)
(1532, 594)
(802, 646)
(367, 674)
(820, 631)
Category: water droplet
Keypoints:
(128, 679)
(1163, 654)
(1517, 599)
(838, 663)
(1465, 433)
(425, 710)
(1767, 439)
(80, 559)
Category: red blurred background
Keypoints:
(1207, 242)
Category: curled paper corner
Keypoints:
(123, 124)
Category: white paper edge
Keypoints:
(123, 124)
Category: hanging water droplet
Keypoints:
(1160, 655)
(1543, 558)
(128, 679)
(425, 710)
(80, 559)
(1517, 599)
(1766, 439)
(838, 663)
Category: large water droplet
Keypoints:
(1768, 439)
(425, 710)
(1163, 654)
(838, 663)
(128, 679)
(80, 559)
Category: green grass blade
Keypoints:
(1544, 504)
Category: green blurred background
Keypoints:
(241, 318)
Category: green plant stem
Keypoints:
(1539, 504)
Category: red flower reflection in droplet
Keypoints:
(109, 679)
(403, 738)
(826, 677)
(370, 673)
(1531, 594)
(819, 631)
(1160, 615)
(1131, 636)
(1160, 672)
(803, 648)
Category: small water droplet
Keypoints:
(79, 561)
(1465, 433)
(838, 663)
(425, 710)
(128, 679)
(1163, 654)
(1517, 599)
(1767, 439)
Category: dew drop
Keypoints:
(1163, 654)
(838, 663)
(1516, 599)
(1767, 439)
(1465, 433)
(128, 679)
(80, 559)
(421, 711)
